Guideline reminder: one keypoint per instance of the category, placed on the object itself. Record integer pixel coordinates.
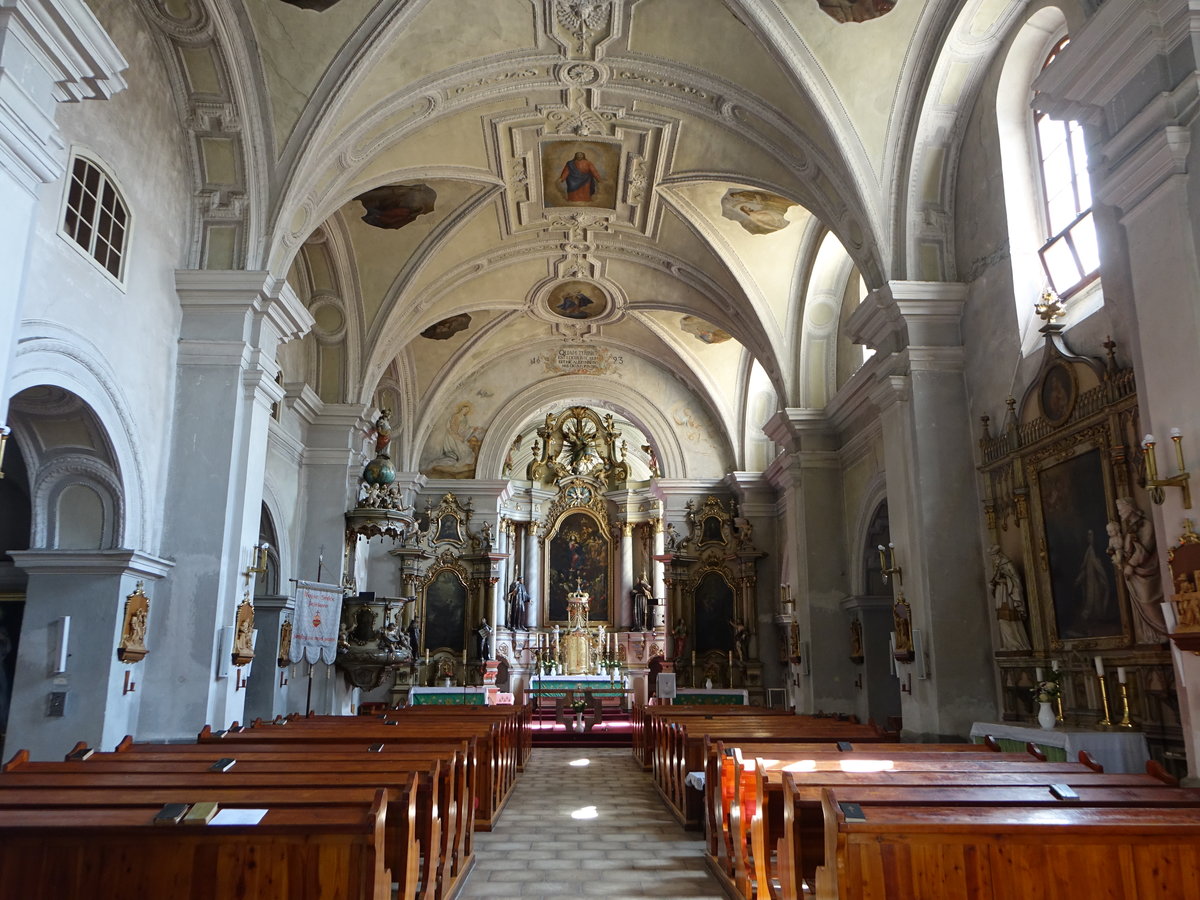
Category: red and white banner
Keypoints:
(315, 622)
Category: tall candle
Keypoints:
(1054, 665)
(464, 657)
(426, 656)
(693, 657)
(1038, 673)
(1099, 666)
(1121, 674)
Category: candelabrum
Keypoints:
(4, 432)
(1154, 484)
(258, 566)
(1106, 722)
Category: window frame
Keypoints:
(1077, 172)
(106, 181)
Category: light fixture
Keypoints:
(1154, 484)
(887, 563)
(258, 557)
(4, 433)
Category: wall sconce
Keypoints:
(130, 684)
(258, 556)
(887, 563)
(1155, 484)
(5, 431)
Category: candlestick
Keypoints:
(1125, 721)
(693, 657)
(1106, 722)
(1148, 443)
(464, 657)
(1058, 707)
(1099, 666)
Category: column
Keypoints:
(928, 450)
(656, 568)
(90, 589)
(267, 693)
(232, 324)
(533, 575)
(51, 51)
(1132, 74)
(808, 477)
(329, 470)
(625, 588)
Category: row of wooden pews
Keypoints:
(357, 808)
(672, 743)
(789, 820)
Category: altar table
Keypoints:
(455, 695)
(1117, 751)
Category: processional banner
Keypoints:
(315, 623)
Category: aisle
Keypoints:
(595, 830)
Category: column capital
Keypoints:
(95, 562)
(227, 307)
(800, 429)
(904, 314)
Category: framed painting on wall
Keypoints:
(445, 611)
(578, 553)
(1073, 502)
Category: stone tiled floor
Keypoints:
(598, 830)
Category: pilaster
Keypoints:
(89, 588)
(232, 324)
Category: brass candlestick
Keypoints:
(1058, 718)
(1125, 721)
(1106, 722)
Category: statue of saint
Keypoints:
(1009, 599)
(643, 596)
(680, 635)
(517, 602)
(1132, 549)
(741, 639)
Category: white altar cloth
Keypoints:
(1117, 751)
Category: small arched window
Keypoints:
(96, 218)
(1069, 252)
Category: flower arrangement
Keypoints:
(1045, 689)
(579, 705)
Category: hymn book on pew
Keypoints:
(852, 811)
(224, 764)
(201, 813)
(170, 814)
(81, 754)
(1064, 792)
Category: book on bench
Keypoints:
(81, 754)
(224, 764)
(852, 811)
(201, 813)
(171, 814)
(1063, 792)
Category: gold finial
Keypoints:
(1049, 307)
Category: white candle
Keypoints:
(1054, 665)
(1099, 667)
(1121, 674)
(464, 657)
(1038, 673)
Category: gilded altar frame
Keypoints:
(580, 552)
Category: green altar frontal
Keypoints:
(557, 686)
(702, 697)
(423, 696)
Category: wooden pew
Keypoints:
(496, 770)
(990, 853)
(325, 852)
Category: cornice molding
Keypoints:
(93, 562)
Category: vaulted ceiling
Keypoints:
(744, 156)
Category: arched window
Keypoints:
(96, 218)
(1069, 253)
(1047, 197)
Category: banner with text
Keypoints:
(315, 624)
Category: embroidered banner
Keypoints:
(315, 624)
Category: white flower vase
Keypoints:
(579, 726)
(1046, 716)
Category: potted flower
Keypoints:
(1045, 691)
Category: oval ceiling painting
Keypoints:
(577, 300)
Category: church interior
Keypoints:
(801, 354)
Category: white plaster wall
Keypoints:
(124, 336)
